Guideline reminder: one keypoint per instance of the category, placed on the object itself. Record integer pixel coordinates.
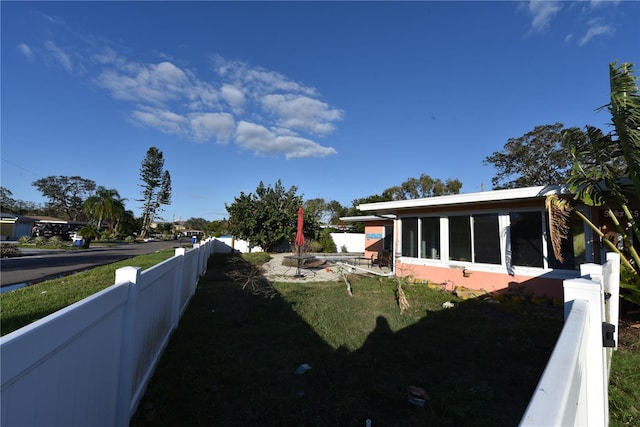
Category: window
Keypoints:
(459, 238)
(486, 239)
(430, 238)
(526, 239)
(410, 237)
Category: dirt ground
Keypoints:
(629, 328)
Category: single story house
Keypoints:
(16, 226)
(491, 241)
(13, 226)
(48, 226)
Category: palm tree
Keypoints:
(105, 204)
(88, 233)
(606, 171)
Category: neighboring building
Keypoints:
(192, 233)
(13, 226)
(16, 226)
(48, 226)
(493, 241)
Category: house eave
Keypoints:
(367, 218)
(465, 199)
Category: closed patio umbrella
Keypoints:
(300, 236)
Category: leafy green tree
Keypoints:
(424, 186)
(127, 224)
(105, 204)
(219, 227)
(88, 233)
(606, 171)
(197, 224)
(315, 215)
(538, 157)
(156, 187)
(7, 203)
(66, 195)
(334, 211)
(23, 207)
(266, 218)
(320, 212)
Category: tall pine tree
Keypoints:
(156, 187)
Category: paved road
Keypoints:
(39, 265)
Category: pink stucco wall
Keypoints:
(373, 246)
(479, 280)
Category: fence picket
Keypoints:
(89, 363)
(579, 361)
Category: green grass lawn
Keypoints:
(23, 306)
(624, 382)
(233, 359)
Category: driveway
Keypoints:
(37, 265)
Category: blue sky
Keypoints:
(339, 99)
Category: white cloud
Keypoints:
(277, 115)
(599, 3)
(296, 147)
(205, 126)
(26, 51)
(163, 120)
(595, 29)
(151, 83)
(541, 14)
(202, 96)
(258, 80)
(233, 96)
(302, 113)
(262, 141)
(255, 137)
(59, 55)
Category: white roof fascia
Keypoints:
(366, 218)
(460, 199)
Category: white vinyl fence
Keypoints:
(352, 242)
(574, 388)
(228, 244)
(89, 364)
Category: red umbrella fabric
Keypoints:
(300, 234)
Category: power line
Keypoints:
(21, 167)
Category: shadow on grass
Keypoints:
(233, 359)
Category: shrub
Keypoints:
(315, 246)
(40, 241)
(8, 251)
(129, 239)
(106, 236)
(327, 241)
(55, 241)
(23, 240)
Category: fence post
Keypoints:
(178, 285)
(611, 272)
(127, 276)
(597, 404)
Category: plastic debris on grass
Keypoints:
(302, 369)
(417, 396)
